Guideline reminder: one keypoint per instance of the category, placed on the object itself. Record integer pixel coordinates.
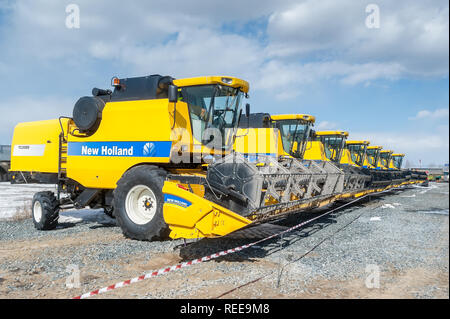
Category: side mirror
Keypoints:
(172, 93)
(247, 110)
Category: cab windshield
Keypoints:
(397, 161)
(372, 156)
(357, 152)
(333, 146)
(294, 134)
(385, 157)
(214, 112)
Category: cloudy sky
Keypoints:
(388, 83)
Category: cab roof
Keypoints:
(323, 133)
(387, 151)
(357, 142)
(398, 154)
(305, 117)
(205, 80)
(375, 147)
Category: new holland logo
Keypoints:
(149, 149)
(172, 199)
(121, 148)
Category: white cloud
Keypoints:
(413, 36)
(28, 108)
(427, 114)
(429, 147)
(325, 126)
(307, 42)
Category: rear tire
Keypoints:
(138, 203)
(45, 210)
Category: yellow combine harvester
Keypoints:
(120, 147)
(168, 157)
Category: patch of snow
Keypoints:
(438, 212)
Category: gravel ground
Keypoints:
(403, 235)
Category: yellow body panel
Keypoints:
(129, 121)
(346, 158)
(35, 145)
(315, 151)
(257, 141)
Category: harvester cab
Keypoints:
(395, 165)
(366, 163)
(385, 159)
(333, 142)
(397, 160)
(373, 156)
(354, 153)
(294, 131)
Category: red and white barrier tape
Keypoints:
(207, 258)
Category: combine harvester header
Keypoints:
(177, 158)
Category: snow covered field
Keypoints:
(15, 199)
(15, 202)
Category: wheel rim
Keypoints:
(37, 211)
(141, 204)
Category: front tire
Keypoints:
(45, 210)
(138, 203)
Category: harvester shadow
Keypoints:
(103, 226)
(92, 218)
(62, 226)
(205, 247)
